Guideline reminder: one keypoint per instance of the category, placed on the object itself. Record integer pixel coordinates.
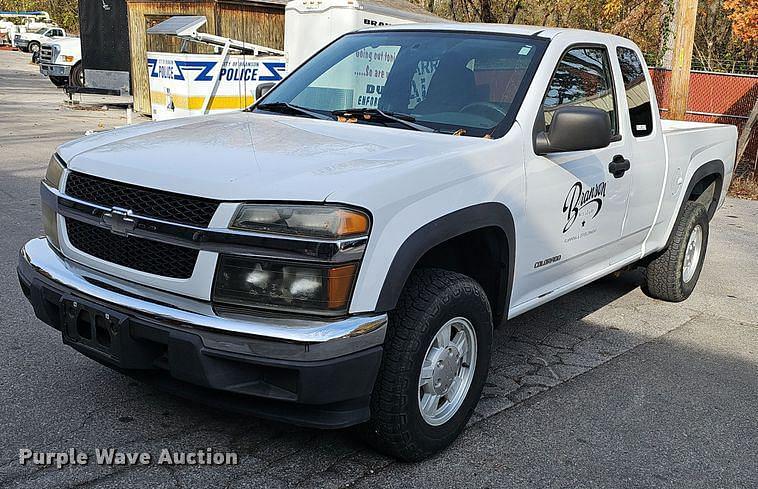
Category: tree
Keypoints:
(64, 12)
(744, 17)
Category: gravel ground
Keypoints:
(601, 388)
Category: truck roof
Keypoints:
(525, 30)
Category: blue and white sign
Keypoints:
(183, 85)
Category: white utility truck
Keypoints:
(61, 60)
(332, 259)
(31, 40)
(18, 22)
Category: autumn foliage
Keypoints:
(744, 17)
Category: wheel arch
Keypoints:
(706, 186)
(488, 221)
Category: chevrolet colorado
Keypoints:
(339, 253)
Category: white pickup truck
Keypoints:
(30, 41)
(330, 258)
(61, 61)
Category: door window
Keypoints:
(582, 79)
(637, 94)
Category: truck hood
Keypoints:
(247, 156)
(63, 41)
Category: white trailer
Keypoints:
(310, 25)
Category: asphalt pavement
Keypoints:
(604, 387)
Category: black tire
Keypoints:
(664, 278)
(431, 298)
(33, 47)
(76, 77)
(35, 58)
(59, 81)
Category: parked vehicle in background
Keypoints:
(7, 32)
(61, 60)
(16, 22)
(334, 256)
(30, 41)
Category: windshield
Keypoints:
(455, 82)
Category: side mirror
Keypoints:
(263, 89)
(575, 129)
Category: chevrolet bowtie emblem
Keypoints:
(120, 221)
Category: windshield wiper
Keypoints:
(285, 108)
(406, 120)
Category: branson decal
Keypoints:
(579, 198)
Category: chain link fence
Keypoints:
(726, 98)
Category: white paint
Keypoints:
(407, 179)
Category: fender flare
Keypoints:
(479, 216)
(713, 167)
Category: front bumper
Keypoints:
(21, 43)
(54, 70)
(308, 372)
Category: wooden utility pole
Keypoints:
(684, 40)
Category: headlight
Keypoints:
(68, 59)
(54, 172)
(253, 282)
(53, 178)
(301, 220)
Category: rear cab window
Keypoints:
(637, 93)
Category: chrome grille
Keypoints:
(46, 54)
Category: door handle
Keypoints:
(619, 166)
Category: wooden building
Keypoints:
(258, 22)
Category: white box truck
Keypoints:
(310, 25)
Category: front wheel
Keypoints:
(436, 359)
(76, 77)
(34, 47)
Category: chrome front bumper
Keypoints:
(271, 337)
(54, 70)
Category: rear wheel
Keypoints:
(59, 81)
(672, 275)
(435, 363)
(76, 77)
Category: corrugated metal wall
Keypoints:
(257, 22)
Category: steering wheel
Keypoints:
(488, 106)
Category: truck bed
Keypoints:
(688, 141)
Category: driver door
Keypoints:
(575, 208)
